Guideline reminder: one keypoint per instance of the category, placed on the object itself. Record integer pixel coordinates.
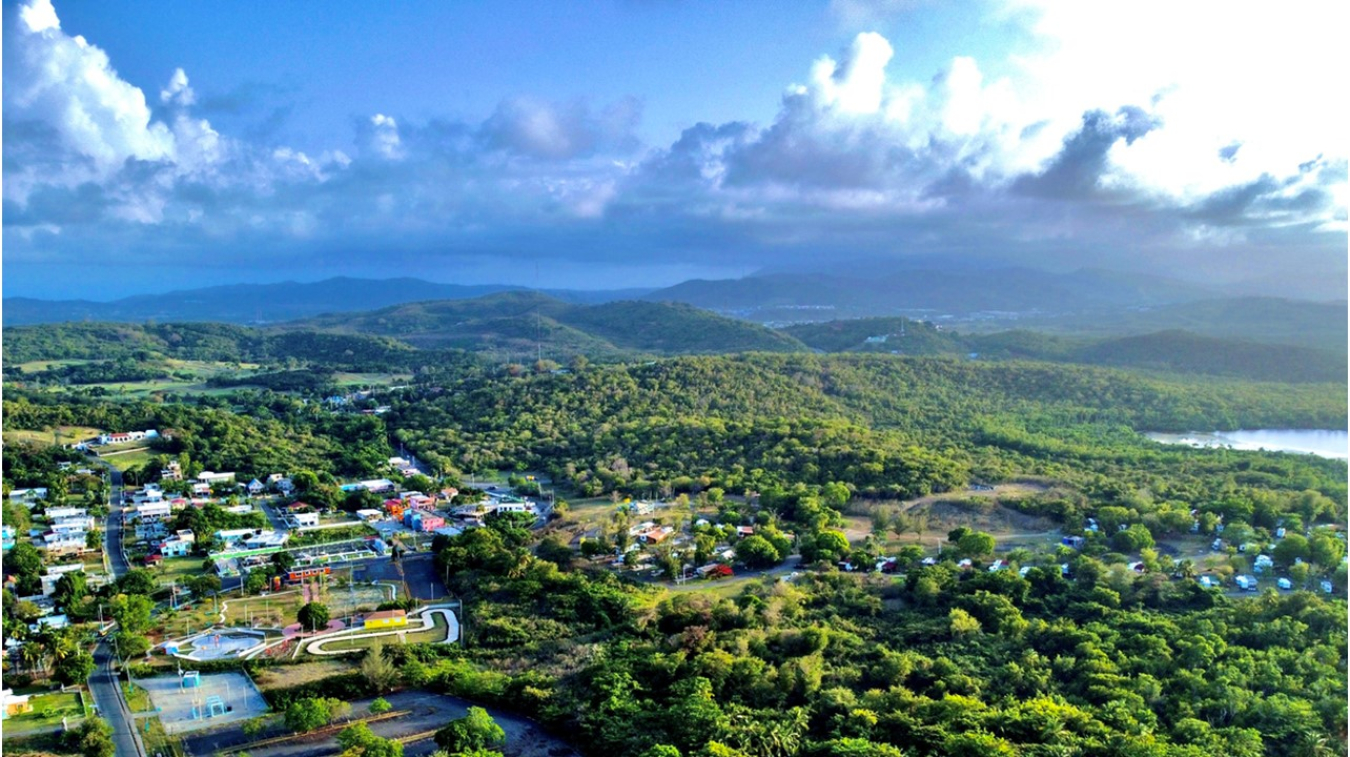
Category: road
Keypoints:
(112, 707)
(112, 528)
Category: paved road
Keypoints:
(112, 530)
(111, 706)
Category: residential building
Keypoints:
(152, 529)
(57, 513)
(14, 704)
(29, 495)
(151, 511)
(72, 525)
(239, 509)
(63, 543)
(424, 522)
(54, 573)
(175, 547)
(172, 472)
(255, 487)
(201, 489)
(209, 477)
(7, 535)
(305, 520)
(369, 515)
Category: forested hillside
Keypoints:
(1170, 351)
(884, 425)
(526, 323)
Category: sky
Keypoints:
(157, 145)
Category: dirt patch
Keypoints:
(285, 676)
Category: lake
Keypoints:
(1318, 442)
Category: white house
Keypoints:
(56, 513)
(209, 477)
(29, 495)
(175, 547)
(201, 489)
(239, 509)
(72, 525)
(70, 541)
(255, 487)
(370, 515)
(305, 520)
(153, 511)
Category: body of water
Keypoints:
(1318, 442)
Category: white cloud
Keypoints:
(178, 92)
(855, 85)
(384, 138)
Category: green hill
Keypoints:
(1173, 350)
(530, 323)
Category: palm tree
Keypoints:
(32, 655)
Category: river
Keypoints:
(1332, 444)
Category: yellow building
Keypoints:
(387, 619)
(15, 704)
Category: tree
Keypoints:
(756, 552)
(1325, 550)
(305, 715)
(74, 669)
(93, 539)
(24, 562)
(92, 738)
(825, 546)
(137, 581)
(282, 561)
(380, 706)
(555, 551)
(71, 588)
(378, 670)
(975, 544)
(313, 616)
(256, 582)
(962, 622)
(132, 612)
(1133, 539)
(1290, 548)
(359, 740)
(477, 730)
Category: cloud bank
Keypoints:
(1209, 168)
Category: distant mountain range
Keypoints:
(928, 292)
(777, 298)
(271, 303)
(1253, 338)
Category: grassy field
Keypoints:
(33, 366)
(48, 709)
(362, 379)
(138, 699)
(129, 459)
(66, 434)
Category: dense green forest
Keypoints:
(940, 662)
(884, 425)
(253, 433)
(1172, 351)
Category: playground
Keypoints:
(221, 644)
(194, 701)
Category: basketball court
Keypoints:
(196, 701)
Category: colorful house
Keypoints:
(395, 508)
(423, 522)
(14, 704)
(387, 619)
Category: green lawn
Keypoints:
(132, 459)
(138, 700)
(48, 709)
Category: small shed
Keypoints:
(386, 619)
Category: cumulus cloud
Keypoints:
(1035, 164)
(561, 131)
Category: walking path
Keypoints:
(426, 619)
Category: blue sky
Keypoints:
(642, 142)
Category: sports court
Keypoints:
(195, 701)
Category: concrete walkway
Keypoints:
(426, 617)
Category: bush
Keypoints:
(380, 706)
